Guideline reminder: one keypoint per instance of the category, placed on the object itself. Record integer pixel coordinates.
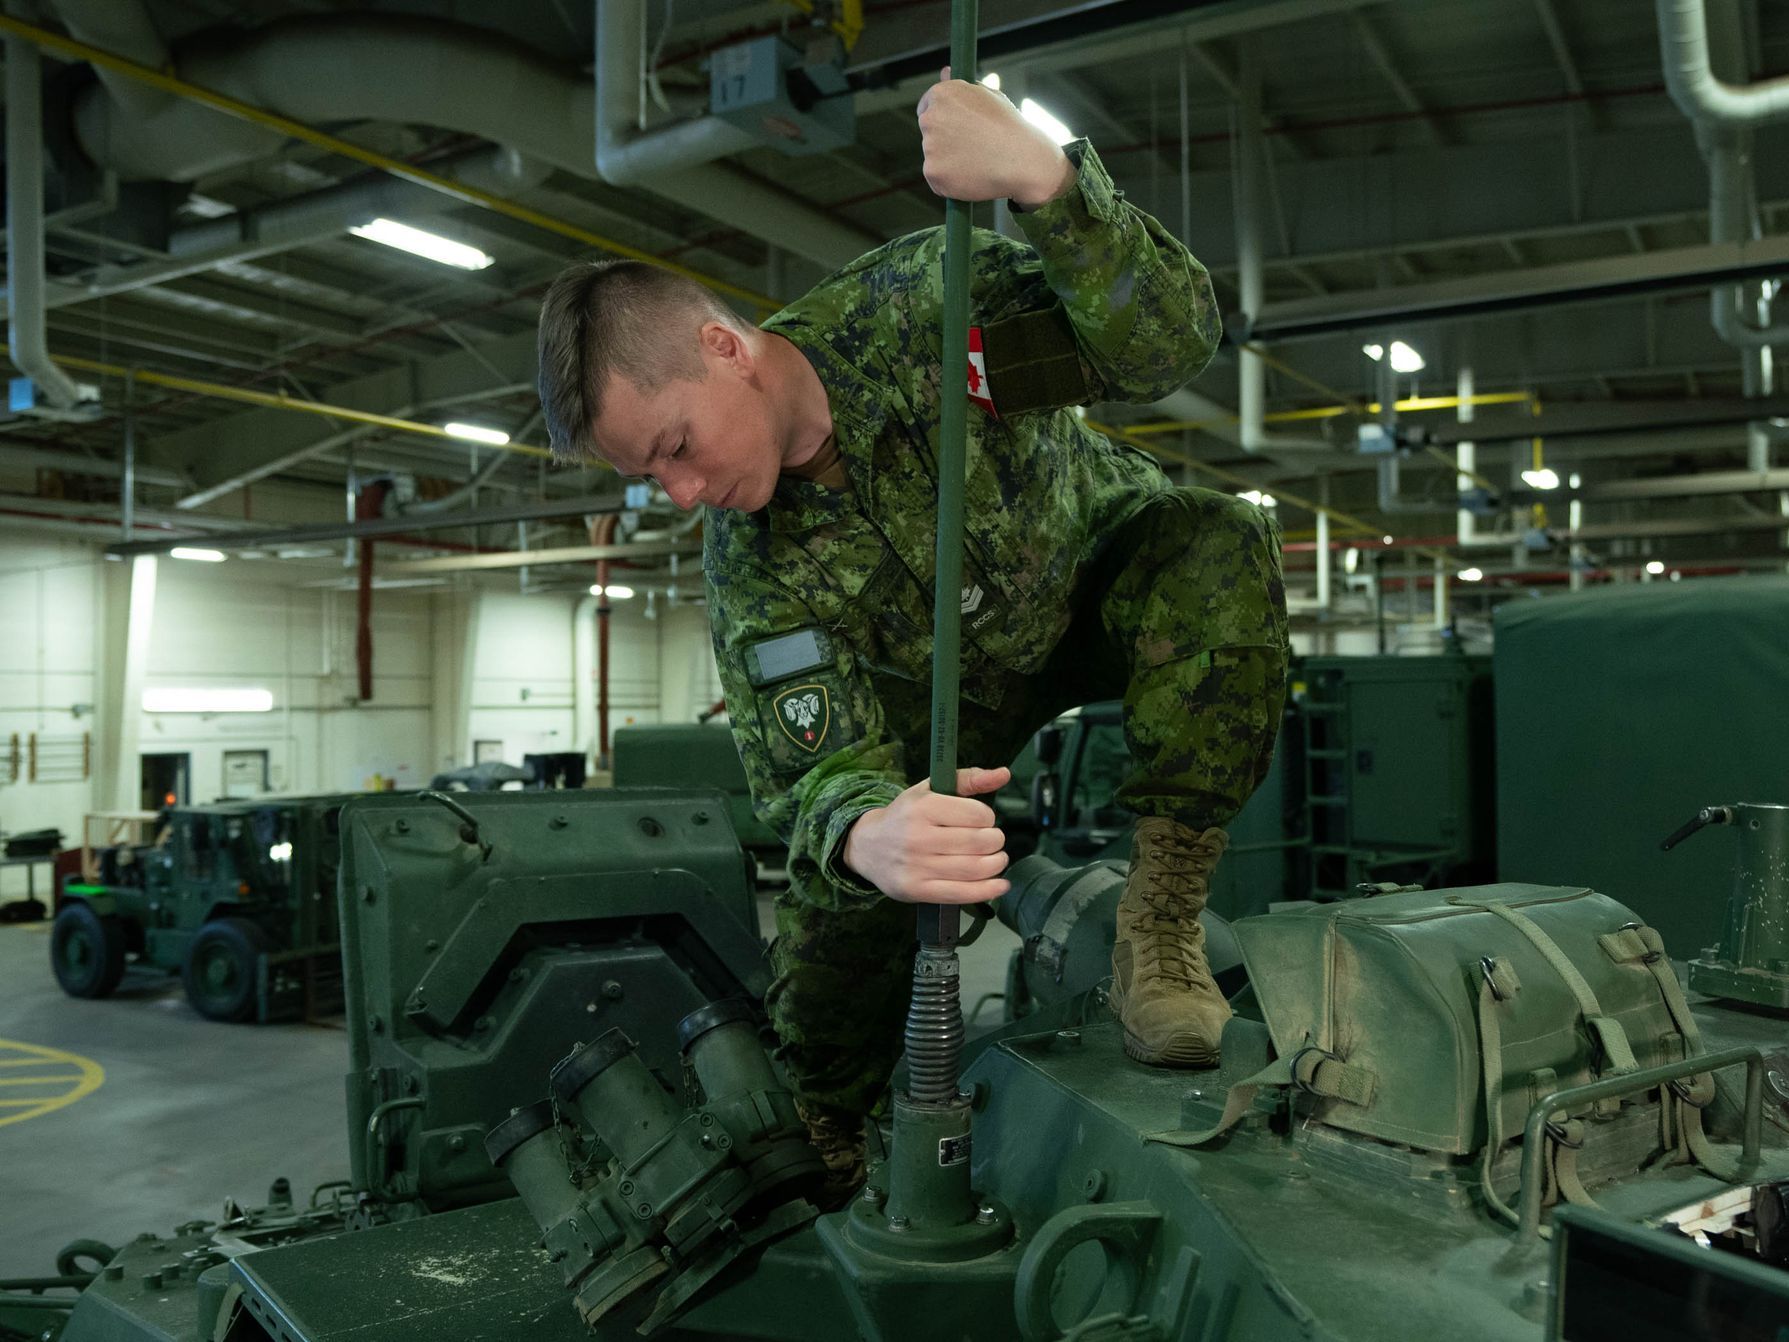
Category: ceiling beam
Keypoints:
(1544, 286)
(1389, 68)
(373, 528)
(569, 554)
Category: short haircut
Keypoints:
(605, 317)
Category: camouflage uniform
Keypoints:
(1086, 576)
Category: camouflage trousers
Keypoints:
(1183, 615)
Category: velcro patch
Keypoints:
(788, 655)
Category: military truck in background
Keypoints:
(238, 898)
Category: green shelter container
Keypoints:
(1623, 711)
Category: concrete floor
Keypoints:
(190, 1111)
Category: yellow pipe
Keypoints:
(849, 23)
(280, 401)
(1335, 411)
(298, 130)
(1347, 520)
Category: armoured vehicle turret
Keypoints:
(1490, 1113)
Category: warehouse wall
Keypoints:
(240, 624)
(49, 651)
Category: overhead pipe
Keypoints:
(455, 76)
(123, 26)
(1724, 116)
(1251, 273)
(678, 161)
(1690, 77)
(626, 153)
(27, 337)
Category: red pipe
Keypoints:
(602, 532)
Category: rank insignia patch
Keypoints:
(803, 713)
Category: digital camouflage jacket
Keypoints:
(820, 603)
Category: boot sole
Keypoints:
(1183, 1050)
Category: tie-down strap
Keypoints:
(1606, 1028)
(1310, 1070)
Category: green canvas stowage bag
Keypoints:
(1375, 1004)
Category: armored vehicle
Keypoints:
(1487, 1112)
(697, 754)
(238, 898)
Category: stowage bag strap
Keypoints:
(1638, 942)
(1606, 1028)
(1309, 1069)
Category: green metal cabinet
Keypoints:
(1398, 770)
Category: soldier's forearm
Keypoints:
(1141, 305)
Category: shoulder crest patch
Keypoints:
(803, 713)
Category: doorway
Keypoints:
(165, 780)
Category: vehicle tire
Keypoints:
(86, 951)
(220, 970)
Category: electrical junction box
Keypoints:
(795, 101)
(24, 397)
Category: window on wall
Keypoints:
(245, 773)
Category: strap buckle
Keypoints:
(1488, 967)
(1303, 1079)
(1560, 1135)
(1681, 1088)
(1648, 957)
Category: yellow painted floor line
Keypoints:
(84, 1077)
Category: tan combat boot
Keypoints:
(841, 1144)
(1162, 988)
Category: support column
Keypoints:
(130, 617)
(1466, 454)
(1323, 578)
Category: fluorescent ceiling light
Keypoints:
(1259, 499)
(202, 556)
(616, 591)
(207, 701)
(1403, 358)
(1471, 574)
(1543, 478)
(476, 433)
(992, 80)
(1656, 567)
(431, 246)
(1034, 112)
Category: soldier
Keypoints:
(812, 440)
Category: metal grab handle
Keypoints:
(468, 822)
(1708, 815)
(1529, 1210)
(375, 1162)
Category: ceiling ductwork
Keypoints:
(451, 76)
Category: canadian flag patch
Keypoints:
(979, 391)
